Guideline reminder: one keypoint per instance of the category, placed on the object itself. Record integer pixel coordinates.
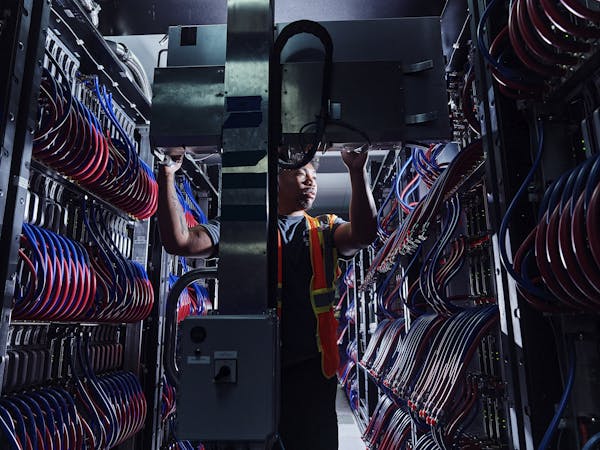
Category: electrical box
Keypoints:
(229, 368)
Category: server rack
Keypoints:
(76, 195)
(537, 363)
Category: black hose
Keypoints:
(171, 371)
(294, 28)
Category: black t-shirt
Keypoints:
(298, 321)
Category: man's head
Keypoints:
(297, 189)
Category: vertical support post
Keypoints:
(493, 141)
(244, 260)
(139, 254)
(24, 77)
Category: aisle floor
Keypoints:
(349, 434)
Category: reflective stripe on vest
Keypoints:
(325, 270)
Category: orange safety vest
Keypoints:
(325, 270)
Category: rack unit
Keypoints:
(75, 197)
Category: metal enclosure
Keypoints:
(238, 404)
(392, 92)
(371, 95)
(187, 107)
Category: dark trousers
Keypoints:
(308, 418)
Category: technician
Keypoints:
(307, 254)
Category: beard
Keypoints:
(305, 203)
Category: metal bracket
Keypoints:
(413, 119)
(420, 66)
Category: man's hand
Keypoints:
(172, 164)
(355, 160)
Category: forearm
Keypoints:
(173, 228)
(363, 214)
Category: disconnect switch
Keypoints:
(225, 370)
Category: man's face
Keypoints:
(298, 188)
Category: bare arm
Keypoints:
(176, 237)
(362, 228)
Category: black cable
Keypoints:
(294, 28)
(171, 371)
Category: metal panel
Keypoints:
(187, 107)
(243, 265)
(239, 406)
(208, 50)
(425, 94)
(370, 96)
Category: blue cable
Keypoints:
(507, 216)
(563, 401)
(592, 181)
(7, 425)
(584, 176)
(446, 234)
(109, 411)
(130, 154)
(593, 442)
(56, 413)
(30, 425)
(407, 163)
(49, 416)
(505, 71)
(420, 163)
(380, 211)
(190, 195)
(382, 289)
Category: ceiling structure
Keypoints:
(126, 17)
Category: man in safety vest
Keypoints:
(307, 254)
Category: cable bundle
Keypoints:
(426, 442)
(388, 342)
(56, 279)
(124, 292)
(351, 387)
(547, 37)
(43, 419)
(435, 276)
(436, 395)
(413, 230)
(126, 395)
(564, 244)
(112, 407)
(193, 301)
(386, 223)
(345, 371)
(375, 343)
(426, 170)
(194, 214)
(71, 140)
(411, 353)
(397, 433)
(389, 427)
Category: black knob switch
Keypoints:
(198, 334)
